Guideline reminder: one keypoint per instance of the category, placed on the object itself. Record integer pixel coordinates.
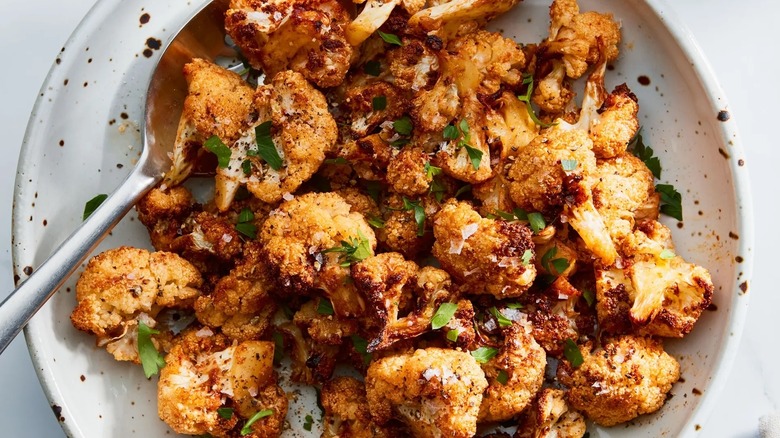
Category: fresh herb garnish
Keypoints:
(374, 189)
(226, 413)
(372, 68)
(419, 214)
(526, 258)
(453, 334)
(514, 305)
(247, 429)
(246, 166)
(339, 160)
(536, 221)
(92, 205)
(390, 38)
(589, 296)
(431, 171)
(569, 165)
(278, 347)
(151, 360)
(671, 201)
(528, 80)
(502, 320)
(572, 353)
(645, 153)
(667, 254)
(352, 250)
(463, 133)
(403, 125)
(308, 423)
(438, 189)
(216, 147)
(502, 377)
(443, 315)
(379, 103)
(375, 222)
(265, 146)
(484, 354)
(245, 225)
(361, 346)
(324, 307)
(558, 265)
(462, 190)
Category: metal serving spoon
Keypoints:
(203, 36)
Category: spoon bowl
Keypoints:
(203, 36)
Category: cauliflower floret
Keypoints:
(467, 157)
(625, 188)
(301, 132)
(163, 213)
(406, 173)
(579, 38)
(371, 18)
(522, 362)
(368, 156)
(301, 35)
(617, 123)
(415, 66)
(323, 328)
(312, 362)
(553, 93)
(205, 372)
(485, 255)
(663, 293)
(240, 303)
(218, 103)
(433, 109)
(124, 286)
(391, 283)
(539, 182)
(551, 417)
(346, 411)
(457, 17)
(401, 231)
(308, 238)
(371, 104)
(627, 377)
(436, 392)
(510, 126)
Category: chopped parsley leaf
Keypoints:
(671, 201)
(431, 171)
(589, 296)
(645, 153)
(93, 204)
(390, 38)
(265, 146)
(324, 307)
(216, 147)
(226, 413)
(502, 320)
(352, 250)
(667, 254)
(247, 429)
(419, 214)
(452, 335)
(375, 222)
(379, 103)
(484, 354)
(361, 346)
(443, 315)
(569, 165)
(536, 221)
(151, 360)
(502, 377)
(572, 353)
(403, 126)
(372, 68)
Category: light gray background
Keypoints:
(738, 37)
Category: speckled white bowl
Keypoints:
(83, 138)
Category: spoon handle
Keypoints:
(17, 309)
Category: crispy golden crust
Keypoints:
(163, 213)
(551, 417)
(346, 411)
(485, 255)
(406, 173)
(435, 392)
(617, 124)
(627, 377)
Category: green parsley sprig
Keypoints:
(245, 223)
(443, 315)
(528, 81)
(247, 429)
(265, 146)
(352, 250)
(93, 204)
(151, 360)
(462, 133)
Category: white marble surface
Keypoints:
(739, 40)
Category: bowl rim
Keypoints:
(704, 73)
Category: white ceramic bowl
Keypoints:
(83, 137)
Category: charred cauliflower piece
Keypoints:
(456, 17)
(415, 65)
(205, 372)
(371, 104)
(305, 36)
(293, 120)
(391, 283)
(323, 328)
(218, 103)
(346, 411)
(627, 377)
(124, 286)
(551, 417)
(579, 38)
(374, 14)
(241, 303)
(308, 238)
(163, 214)
(435, 392)
(553, 92)
(617, 123)
(485, 255)
(658, 293)
(407, 174)
(522, 361)
(625, 190)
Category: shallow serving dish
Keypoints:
(83, 138)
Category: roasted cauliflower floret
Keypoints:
(346, 411)
(241, 303)
(371, 104)
(304, 36)
(322, 326)
(408, 172)
(308, 238)
(483, 61)
(487, 256)
(555, 170)
(404, 230)
(456, 17)
(627, 377)
(551, 417)
(616, 125)
(124, 286)
(218, 103)
(163, 213)
(435, 392)
(625, 188)
(415, 66)
(664, 294)
(521, 361)
(208, 241)
(205, 372)
(294, 124)
(312, 362)
(553, 93)
(578, 38)
(391, 284)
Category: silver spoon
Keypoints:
(203, 36)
